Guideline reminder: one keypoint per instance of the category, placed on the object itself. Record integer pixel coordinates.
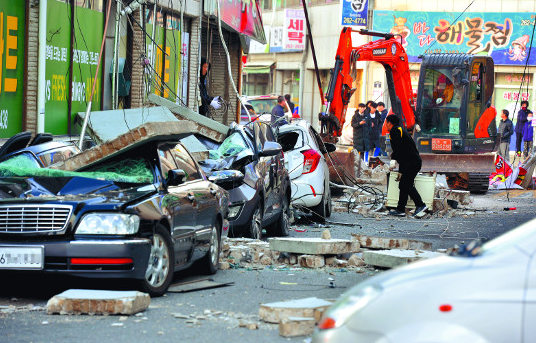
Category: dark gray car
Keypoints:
(261, 200)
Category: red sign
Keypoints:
(244, 17)
(294, 29)
(441, 144)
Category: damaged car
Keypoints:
(141, 213)
(260, 199)
(307, 167)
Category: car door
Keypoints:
(323, 153)
(201, 194)
(264, 169)
(278, 172)
(177, 203)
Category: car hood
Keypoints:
(70, 189)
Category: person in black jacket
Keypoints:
(375, 127)
(361, 125)
(406, 154)
(206, 99)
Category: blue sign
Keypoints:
(503, 36)
(354, 12)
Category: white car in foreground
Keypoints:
(487, 297)
(307, 167)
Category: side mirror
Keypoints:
(330, 147)
(270, 149)
(227, 179)
(175, 177)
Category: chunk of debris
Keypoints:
(462, 197)
(307, 308)
(296, 326)
(311, 261)
(84, 301)
(355, 261)
(372, 242)
(326, 234)
(396, 257)
(314, 246)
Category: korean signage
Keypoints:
(259, 48)
(86, 48)
(243, 16)
(503, 36)
(12, 28)
(294, 29)
(354, 12)
(277, 35)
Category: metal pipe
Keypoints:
(41, 66)
(183, 2)
(153, 50)
(302, 80)
(115, 58)
(88, 109)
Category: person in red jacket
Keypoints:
(406, 154)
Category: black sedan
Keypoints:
(261, 200)
(142, 214)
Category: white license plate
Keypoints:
(25, 257)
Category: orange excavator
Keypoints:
(451, 118)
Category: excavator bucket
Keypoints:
(463, 163)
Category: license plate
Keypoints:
(441, 144)
(25, 257)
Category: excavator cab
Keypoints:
(454, 104)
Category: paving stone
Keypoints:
(83, 301)
(314, 246)
(307, 308)
(296, 326)
(372, 242)
(311, 261)
(395, 257)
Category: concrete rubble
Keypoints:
(83, 301)
(371, 242)
(303, 308)
(296, 326)
(396, 257)
(313, 246)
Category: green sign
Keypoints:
(12, 37)
(88, 30)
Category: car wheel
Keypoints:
(255, 226)
(210, 262)
(159, 271)
(319, 211)
(328, 204)
(283, 223)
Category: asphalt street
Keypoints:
(221, 311)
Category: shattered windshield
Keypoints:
(131, 170)
(231, 146)
(440, 103)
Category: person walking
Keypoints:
(361, 125)
(406, 154)
(506, 129)
(528, 135)
(375, 129)
(521, 120)
(278, 112)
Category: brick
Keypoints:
(296, 326)
(224, 265)
(311, 261)
(372, 242)
(462, 197)
(355, 261)
(314, 246)
(305, 308)
(82, 301)
(394, 258)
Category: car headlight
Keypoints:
(108, 224)
(234, 210)
(351, 302)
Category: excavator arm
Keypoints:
(390, 53)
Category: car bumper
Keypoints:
(303, 194)
(99, 258)
(246, 198)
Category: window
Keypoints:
(186, 163)
(51, 157)
(166, 160)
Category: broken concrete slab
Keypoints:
(84, 301)
(204, 126)
(372, 242)
(296, 326)
(311, 261)
(314, 246)
(307, 308)
(127, 141)
(462, 197)
(395, 257)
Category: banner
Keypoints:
(354, 12)
(85, 57)
(294, 29)
(503, 36)
(12, 38)
(243, 16)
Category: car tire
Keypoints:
(283, 223)
(255, 225)
(319, 211)
(159, 271)
(210, 262)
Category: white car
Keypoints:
(487, 296)
(307, 167)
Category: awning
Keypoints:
(257, 68)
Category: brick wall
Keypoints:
(138, 49)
